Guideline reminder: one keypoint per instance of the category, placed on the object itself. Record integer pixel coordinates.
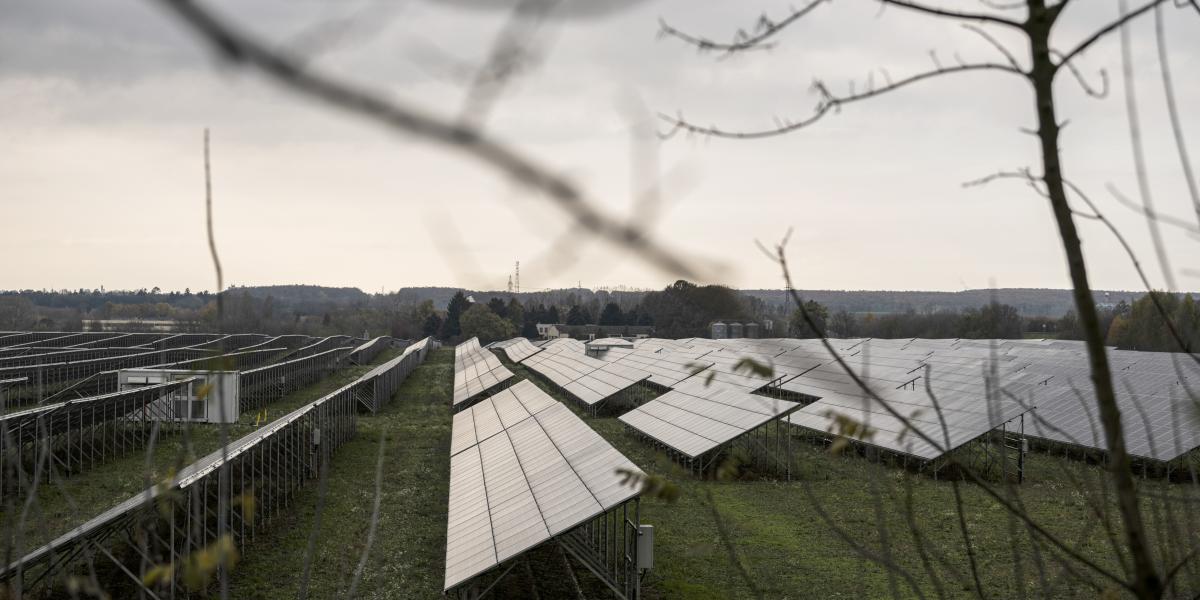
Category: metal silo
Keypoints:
(719, 331)
(735, 330)
(751, 330)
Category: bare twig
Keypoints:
(222, 505)
(512, 51)
(765, 29)
(1012, 60)
(1165, 219)
(1173, 111)
(358, 26)
(1139, 156)
(1082, 81)
(828, 102)
(1107, 29)
(941, 12)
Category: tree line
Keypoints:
(682, 309)
(1130, 326)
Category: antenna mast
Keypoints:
(518, 277)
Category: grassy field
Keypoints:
(67, 502)
(776, 543)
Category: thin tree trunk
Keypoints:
(1147, 584)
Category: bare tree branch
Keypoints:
(1107, 29)
(1173, 111)
(941, 12)
(1083, 83)
(1016, 4)
(358, 26)
(1012, 60)
(241, 49)
(765, 29)
(827, 103)
(512, 51)
(1139, 156)
(1173, 221)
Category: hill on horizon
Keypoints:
(313, 299)
(1032, 302)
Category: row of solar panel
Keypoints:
(476, 371)
(523, 469)
(953, 391)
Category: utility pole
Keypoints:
(787, 314)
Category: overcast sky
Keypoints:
(104, 104)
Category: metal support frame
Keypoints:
(996, 454)
(486, 393)
(47, 382)
(261, 386)
(74, 436)
(367, 352)
(606, 545)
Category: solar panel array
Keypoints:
(271, 463)
(978, 385)
(81, 433)
(523, 470)
(1156, 392)
(476, 371)
(57, 364)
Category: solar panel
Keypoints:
(588, 379)
(666, 368)
(557, 345)
(697, 418)
(476, 371)
(540, 474)
(516, 349)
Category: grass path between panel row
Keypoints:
(407, 555)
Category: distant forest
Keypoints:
(1030, 302)
(680, 310)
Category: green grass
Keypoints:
(67, 502)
